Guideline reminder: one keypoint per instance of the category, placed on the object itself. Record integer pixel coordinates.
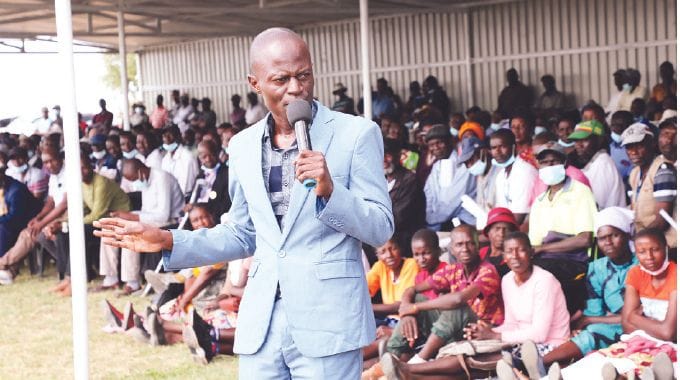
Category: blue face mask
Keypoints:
(495, 126)
(18, 169)
(454, 131)
(538, 130)
(627, 87)
(616, 137)
(170, 147)
(131, 154)
(477, 168)
(505, 164)
(552, 175)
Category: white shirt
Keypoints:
(56, 188)
(513, 191)
(605, 181)
(162, 200)
(154, 159)
(255, 113)
(184, 166)
(181, 117)
(626, 99)
(42, 125)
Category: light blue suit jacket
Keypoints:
(316, 258)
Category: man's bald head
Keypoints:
(131, 169)
(273, 38)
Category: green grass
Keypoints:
(36, 340)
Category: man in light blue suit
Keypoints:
(306, 311)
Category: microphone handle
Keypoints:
(304, 143)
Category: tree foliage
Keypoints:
(112, 77)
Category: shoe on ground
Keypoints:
(391, 368)
(173, 291)
(609, 372)
(103, 288)
(532, 360)
(127, 290)
(662, 367)
(504, 371)
(128, 317)
(113, 317)
(197, 337)
(6, 277)
(155, 329)
(138, 334)
(555, 372)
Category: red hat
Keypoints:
(499, 214)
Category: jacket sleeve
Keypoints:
(224, 242)
(17, 202)
(364, 211)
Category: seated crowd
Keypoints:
(557, 226)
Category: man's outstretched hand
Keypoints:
(135, 236)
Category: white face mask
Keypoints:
(616, 137)
(566, 144)
(131, 154)
(477, 168)
(138, 110)
(538, 130)
(139, 184)
(99, 155)
(627, 87)
(657, 272)
(552, 175)
(495, 126)
(11, 168)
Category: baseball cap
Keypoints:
(550, 147)
(438, 131)
(635, 133)
(499, 214)
(467, 148)
(585, 129)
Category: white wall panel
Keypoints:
(580, 42)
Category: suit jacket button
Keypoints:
(282, 254)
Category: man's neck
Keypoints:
(521, 278)
(472, 266)
(555, 188)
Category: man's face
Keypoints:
(283, 73)
(497, 233)
(126, 144)
(463, 247)
(617, 125)
(588, 115)
(168, 138)
(520, 129)
(17, 161)
(393, 131)
(550, 159)
(390, 255)
(424, 255)
(517, 255)
(619, 80)
(142, 145)
(641, 153)
(585, 148)
(53, 164)
(564, 129)
(113, 148)
(206, 157)
(200, 218)
(86, 171)
(388, 163)
(500, 151)
(668, 143)
(439, 148)
(185, 100)
(612, 241)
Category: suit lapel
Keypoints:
(253, 172)
(320, 134)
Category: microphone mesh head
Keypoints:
(299, 110)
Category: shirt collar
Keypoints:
(567, 186)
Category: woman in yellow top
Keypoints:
(392, 275)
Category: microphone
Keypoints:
(299, 114)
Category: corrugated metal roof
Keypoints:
(158, 22)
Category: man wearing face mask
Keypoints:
(515, 177)
(179, 160)
(561, 225)
(631, 90)
(214, 192)
(35, 179)
(162, 202)
(565, 127)
(597, 165)
(104, 163)
(138, 116)
(446, 183)
(652, 180)
(408, 199)
(620, 120)
(474, 153)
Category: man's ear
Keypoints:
(252, 81)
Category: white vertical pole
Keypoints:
(365, 63)
(75, 190)
(123, 70)
(468, 61)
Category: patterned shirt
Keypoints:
(606, 286)
(278, 170)
(665, 184)
(488, 305)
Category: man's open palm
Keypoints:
(135, 236)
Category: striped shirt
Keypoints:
(278, 170)
(665, 186)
